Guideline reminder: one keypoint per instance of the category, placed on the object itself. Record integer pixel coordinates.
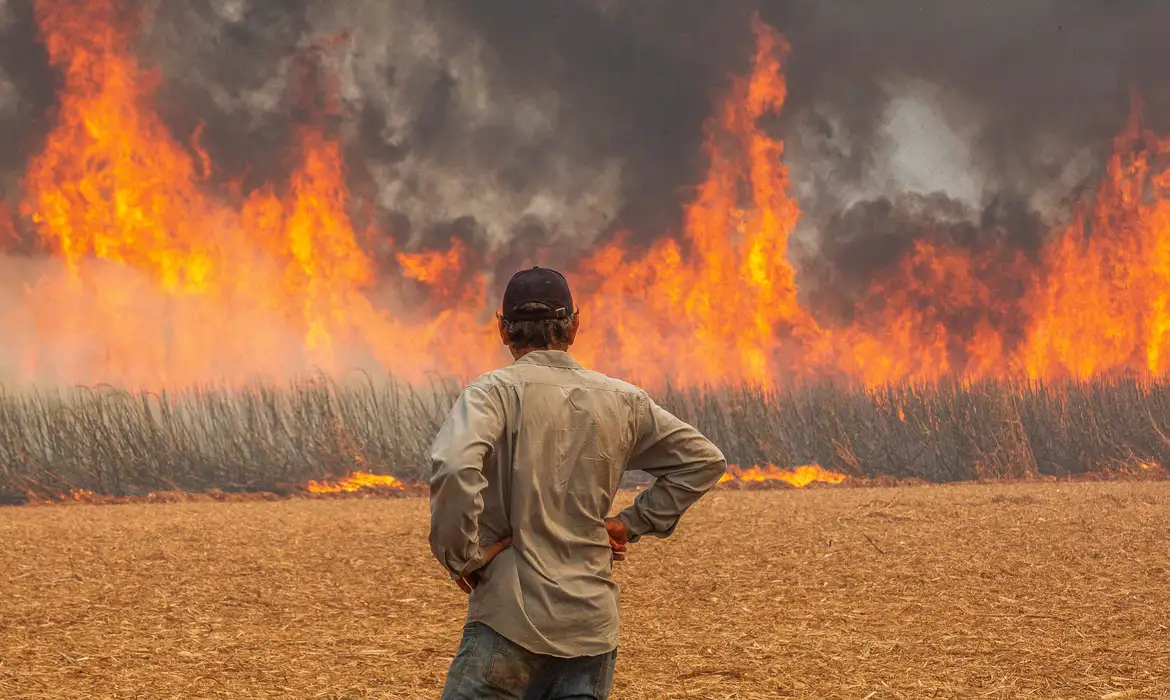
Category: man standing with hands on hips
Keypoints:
(525, 470)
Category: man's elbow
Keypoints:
(438, 549)
(719, 467)
(716, 464)
(451, 560)
(453, 546)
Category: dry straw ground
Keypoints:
(1002, 591)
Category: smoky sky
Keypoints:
(531, 128)
(1039, 80)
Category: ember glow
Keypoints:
(155, 280)
(356, 482)
(798, 476)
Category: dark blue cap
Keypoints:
(539, 285)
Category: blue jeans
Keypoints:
(489, 667)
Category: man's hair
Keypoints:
(540, 333)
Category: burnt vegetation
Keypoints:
(265, 438)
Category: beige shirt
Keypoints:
(536, 451)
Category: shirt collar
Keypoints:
(550, 358)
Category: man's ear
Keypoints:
(574, 327)
(500, 326)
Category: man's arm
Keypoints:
(685, 466)
(467, 437)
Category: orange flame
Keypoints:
(1105, 305)
(156, 281)
(798, 476)
(720, 303)
(164, 285)
(357, 481)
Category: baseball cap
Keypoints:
(541, 285)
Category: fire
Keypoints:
(721, 302)
(158, 280)
(1104, 305)
(357, 481)
(162, 284)
(721, 306)
(798, 476)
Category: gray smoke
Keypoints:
(441, 136)
(531, 128)
(1034, 83)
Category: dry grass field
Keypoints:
(1001, 591)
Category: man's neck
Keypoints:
(517, 353)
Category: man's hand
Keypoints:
(619, 537)
(468, 583)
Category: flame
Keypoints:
(1105, 305)
(357, 481)
(798, 476)
(162, 284)
(721, 305)
(723, 299)
(159, 280)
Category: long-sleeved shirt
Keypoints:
(536, 451)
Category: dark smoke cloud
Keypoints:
(442, 134)
(1025, 97)
(27, 90)
(635, 79)
(869, 242)
(1038, 80)
(525, 125)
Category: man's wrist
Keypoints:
(635, 526)
(475, 563)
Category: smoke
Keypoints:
(1036, 79)
(972, 123)
(870, 250)
(441, 136)
(27, 89)
(529, 129)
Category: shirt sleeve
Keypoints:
(684, 464)
(468, 435)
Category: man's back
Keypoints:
(544, 443)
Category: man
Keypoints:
(526, 467)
